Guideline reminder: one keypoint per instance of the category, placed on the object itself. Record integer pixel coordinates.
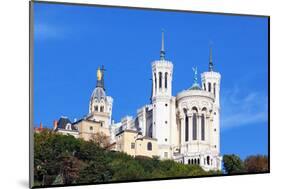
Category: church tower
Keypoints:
(211, 83)
(162, 76)
(100, 106)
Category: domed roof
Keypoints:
(99, 94)
(195, 86)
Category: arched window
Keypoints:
(189, 161)
(166, 80)
(192, 161)
(215, 89)
(208, 160)
(198, 161)
(68, 126)
(203, 127)
(96, 108)
(209, 87)
(186, 128)
(101, 109)
(155, 81)
(205, 86)
(194, 127)
(149, 146)
(194, 123)
(160, 80)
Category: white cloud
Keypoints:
(45, 31)
(239, 109)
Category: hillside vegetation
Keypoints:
(62, 159)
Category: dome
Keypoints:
(195, 86)
(98, 94)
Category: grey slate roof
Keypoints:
(195, 86)
(62, 123)
(99, 94)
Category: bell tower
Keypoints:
(211, 83)
(162, 76)
(100, 105)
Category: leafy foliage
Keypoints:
(233, 164)
(63, 159)
(258, 163)
(252, 164)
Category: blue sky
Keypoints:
(70, 42)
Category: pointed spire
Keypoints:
(211, 65)
(162, 52)
(102, 79)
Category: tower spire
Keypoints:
(162, 52)
(211, 65)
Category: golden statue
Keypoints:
(99, 74)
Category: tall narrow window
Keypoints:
(166, 80)
(150, 131)
(101, 109)
(209, 87)
(160, 80)
(202, 127)
(186, 128)
(96, 108)
(208, 160)
(149, 146)
(194, 128)
(215, 89)
(155, 81)
(205, 86)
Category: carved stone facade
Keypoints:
(186, 126)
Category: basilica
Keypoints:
(184, 127)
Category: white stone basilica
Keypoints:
(185, 127)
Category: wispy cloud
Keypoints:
(44, 31)
(240, 109)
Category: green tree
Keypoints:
(96, 161)
(69, 168)
(48, 149)
(95, 172)
(63, 159)
(233, 164)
